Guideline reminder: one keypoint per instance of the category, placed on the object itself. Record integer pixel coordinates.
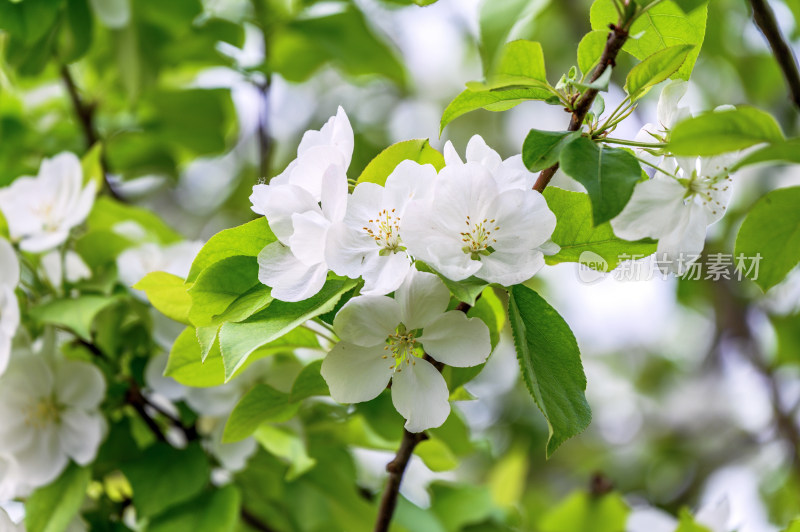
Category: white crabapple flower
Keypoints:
(300, 205)
(49, 407)
(42, 210)
(295, 266)
(669, 112)
(384, 339)
(367, 243)
(471, 225)
(677, 210)
(9, 306)
(134, 263)
(510, 173)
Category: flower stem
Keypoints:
(624, 142)
(764, 18)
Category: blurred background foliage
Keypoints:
(694, 384)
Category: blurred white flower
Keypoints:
(7, 525)
(367, 242)
(677, 210)
(42, 210)
(9, 306)
(49, 407)
(134, 263)
(471, 225)
(385, 338)
(68, 267)
(714, 517)
(669, 113)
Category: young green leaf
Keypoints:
(609, 175)
(772, 230)
(417, 150)
(582, 511)
(308, 383)
(167, 293)
(52, 507)
(107, 213)
(247, 240)
(576, 234)
(542, 149)
(590, 49)
(661, 26)
(550, 363)
(491, 100)
(725, 131)
(655, 69)
(77, 314)
(219, 285)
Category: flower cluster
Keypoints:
(477, 218)
(685, 195)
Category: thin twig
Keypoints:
(85, 114)
(616, 38)
(254, 522)
(264, 137)
(764, 18)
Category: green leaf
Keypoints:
(77, 314)
(284, 444)
(660, 27)
(542, 149)
(309, 383)
(213, 511)
(505, 21)
(772, 230)
(521, 63)
(550, 363)
(492, 312)
(655, 69)
(53, 507)
(92, 165)
(491, 100)
(581, 511)
(590, 49)
(239, 340)
(787, 151)
(107, 213)
(75, 36)
(436, 455)
(725, 131)
(343, 39)
(246, 240)
(794, 526)
(417, 150)
(167, 293)
(609, 175)
(186, 364)
(690, 5)
(219, 285)
(261, 404)
(162, 476)
(576, 234)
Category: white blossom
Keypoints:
(677, 210)
(714, 517)
(384, 339)
(9, 306)
(669, 113)
(367, 242)
(7, 525)
(42, 210)
(509, 174)
(472, 225)
(301, 204)
(49, 407)
(68, 267)
(134, 263)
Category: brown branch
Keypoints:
(85, 115)
(264, 138)
(764, 18)
(616, 39)
(254, 522)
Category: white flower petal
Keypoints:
(408, 181)
(419, 393)
(422, 297)
(451, 157)
(337, 132)
(42, 460)
(311, 168)
(45, 241)
(354, 373)
(479, 152)
(80, 434)
(686, 239)
(653, 210)
(367, 320)
(456, 340)
(308, 240)
(510, 268)
(669, 112)
(384, 273)
(716, 516)
(334, 193)
(290, 279)
(347, 248)
(278, 203)
(78, 384)
(9, 264)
